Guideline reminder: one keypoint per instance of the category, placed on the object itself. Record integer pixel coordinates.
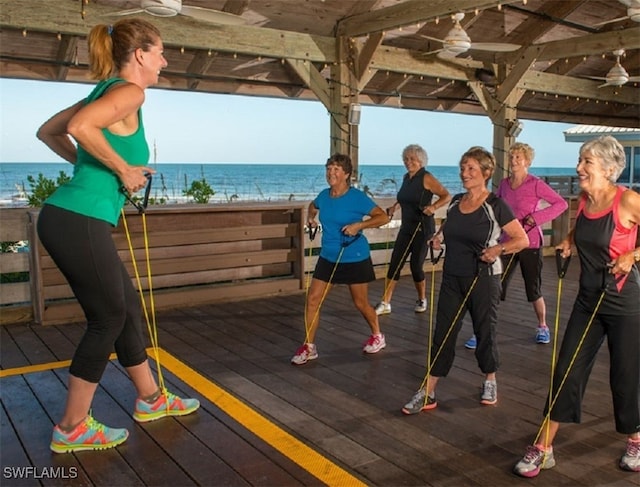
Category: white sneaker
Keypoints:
(374, 344)
(383, 308)
(421, 306)
(305, 353)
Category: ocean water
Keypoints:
(242, 182)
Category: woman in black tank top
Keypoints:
(415, 199)
(608, 305)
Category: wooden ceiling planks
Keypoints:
(287, 43)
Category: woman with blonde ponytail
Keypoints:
(103, 136)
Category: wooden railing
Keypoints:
(199, 254)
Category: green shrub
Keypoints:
(42, 187)
(200, 191)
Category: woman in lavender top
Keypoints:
(534, 203)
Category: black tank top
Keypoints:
(413, 198)
(600, 238)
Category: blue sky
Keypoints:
(198, 127)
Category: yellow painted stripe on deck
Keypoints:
(307, 458)
(40, 367)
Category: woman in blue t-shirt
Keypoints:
(344, 256)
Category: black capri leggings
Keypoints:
(401, 248)
(623, 337)
(83, 249)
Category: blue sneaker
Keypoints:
(167, 404)
(471, 343)
(542, 335)
(88, 435)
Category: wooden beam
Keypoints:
(180, 31)
(404, 61)
(312, 78)
(406, 13)
(510, 84)
(587, 45)
(365, 55)
(66, 54)
(199, 65)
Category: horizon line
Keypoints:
(572, 166)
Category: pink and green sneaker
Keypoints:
(167, 404)
(88, 435)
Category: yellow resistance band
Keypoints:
(308, 325)
(151, 322)
(387, 281)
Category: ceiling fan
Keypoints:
(457, 41)
(633, 13)
(617, 75)
(171, 8)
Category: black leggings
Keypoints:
(482, 305)
(531, 268)
(401, 248)
(623, 339)
(83, 249)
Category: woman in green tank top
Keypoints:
(110, 152)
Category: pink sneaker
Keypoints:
(374, 344)
(305, 353)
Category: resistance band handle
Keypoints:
(147, 191)
(527, 226)
(562, 264)
(311, 231)
(141, 207)
(346, 241)
(610, 279)
(432, 255)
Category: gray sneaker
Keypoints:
(489, 393)
(421, 306)
(631, 458)
(383, 308)
(533, 461)
(420, 402)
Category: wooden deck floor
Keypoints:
(335, 421)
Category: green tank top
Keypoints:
(94, 190)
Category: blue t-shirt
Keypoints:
(335, 213)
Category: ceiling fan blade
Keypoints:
(212, 16)
(634, 79)
(600, 24)
(606, 84)
(253, 62)
(444, 54)
(441, 41)
(430, 53)
(130, 11)
(495, 46)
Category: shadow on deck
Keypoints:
(333, 421)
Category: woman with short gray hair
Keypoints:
(605, 235)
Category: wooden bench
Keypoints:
(198, 254)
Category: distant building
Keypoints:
(628, 137)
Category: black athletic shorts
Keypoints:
(344, 273)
